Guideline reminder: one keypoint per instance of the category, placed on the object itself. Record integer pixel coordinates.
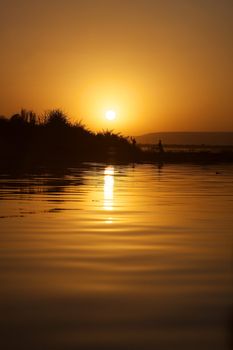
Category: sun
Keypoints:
(110, 115)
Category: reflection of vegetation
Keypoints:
(45, 184)
(30, 140)
(51, 139)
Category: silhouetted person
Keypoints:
(134, 149)
(160, 147)
(133, 141)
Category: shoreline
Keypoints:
(25, 164)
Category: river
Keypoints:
(117, 257)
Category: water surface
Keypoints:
(117, 257)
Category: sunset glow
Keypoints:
(167, 66)
(110, 115)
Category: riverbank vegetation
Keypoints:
(27, 139)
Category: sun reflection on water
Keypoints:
(108, 188)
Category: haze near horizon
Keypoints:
(158, 65)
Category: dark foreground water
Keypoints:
(117, 257)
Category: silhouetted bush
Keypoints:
(56, 118)
(26, 138)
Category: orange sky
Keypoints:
(163, 65)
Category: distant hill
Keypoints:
(188, 138)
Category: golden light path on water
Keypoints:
(109, 191)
